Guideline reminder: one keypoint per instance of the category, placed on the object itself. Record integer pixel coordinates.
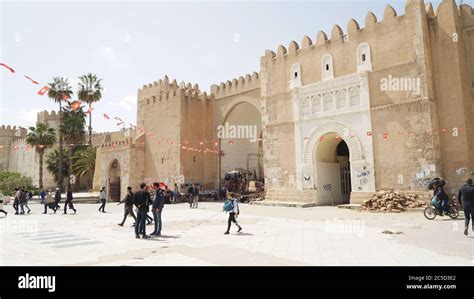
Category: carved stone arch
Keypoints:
(228, 108)
(346, 133)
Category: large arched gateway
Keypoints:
(114, 180)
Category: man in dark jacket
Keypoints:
(157, 208)
(194, 193)
(466, 198)
(57, 199)
(141, 201)
(69, 201)
(128, 209)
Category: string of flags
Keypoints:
(185, 144)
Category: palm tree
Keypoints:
(73, 128)
(41, 137)
(52, 163)
(90, 91)
(59, 90)
(84, 161)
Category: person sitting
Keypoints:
(442, 196)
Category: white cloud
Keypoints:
(127, 103)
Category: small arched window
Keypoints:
(354, 96)
(341, 99)
(328, 102)
(295, 76)
(316, 103)
(327, 67)
(305, 107)
(364, 62)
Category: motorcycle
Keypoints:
(434, 209)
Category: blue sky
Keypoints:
(130, 43)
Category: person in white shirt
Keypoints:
(1, 204)
(233, 214)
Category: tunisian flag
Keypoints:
(7, 67)
(43, 90)
(32, 81)
(106, 116)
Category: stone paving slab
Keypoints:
(271, 236)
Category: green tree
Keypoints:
(59, 90)
(10, 180)
(52, 164)
(73, 128)
(84, 161)
(41, 137)
(90, 91)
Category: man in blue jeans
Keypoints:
(157, 208)
(141, 200)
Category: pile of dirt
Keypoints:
(392, 201)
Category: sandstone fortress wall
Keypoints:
(397, 93)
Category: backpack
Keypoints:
(228, 206)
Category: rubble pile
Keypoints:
(392, 201)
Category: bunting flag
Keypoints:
(43, 90)
(66, 97)
(106, 116)
(369, 133)
(385, 135)
(118, 118)
(76, 105)
(89, 111)
(7, 67)
(32, 81)
(120, 123)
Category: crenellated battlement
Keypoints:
(45, 115)
(14, 132)
(163, 89)
(339, 36)
(234, 86)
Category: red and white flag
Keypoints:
(120, 123)
(7, 67)
(106, 116)
(43, 90)
(76, 105)
(118, 118)
(32, 81)
(89, 111)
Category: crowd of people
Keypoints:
(154, 197)
(49, 199)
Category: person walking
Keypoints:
(1, 205)
(194, 193)
(49, 203)
(57, 200)
(68, 202)
(22, 200)
(16, 201)
(157, 208)
(42, 196)
(233, 214)
(141, 201)
(28, 195)
(466, 198)
(103, 200)
(128, 208)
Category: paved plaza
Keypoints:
(271, 236)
